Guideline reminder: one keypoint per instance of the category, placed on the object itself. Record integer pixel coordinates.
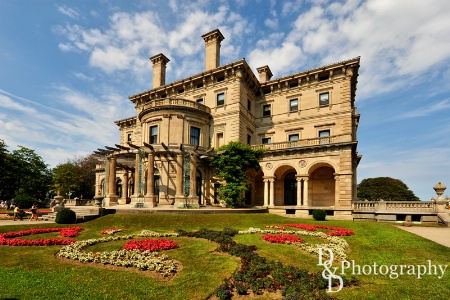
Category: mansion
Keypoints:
(306, 122)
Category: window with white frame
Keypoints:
(266, 110)
(153, 134)
(324, 99)
(220, 99)
(195, 136)
(324, 136)
(267, 140)
(293, 137)
(293, 105)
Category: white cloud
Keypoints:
(70, 12)
(8, 103)
(427, 110)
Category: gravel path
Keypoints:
(440, 235)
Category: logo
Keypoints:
(329, 273)
(332, 273)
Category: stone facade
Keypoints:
(307, 122)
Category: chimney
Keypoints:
(159, 69)
(212, 45)
(264, 74)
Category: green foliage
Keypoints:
(319, 214)
(66, 216)
(22, 172)
(25, 201)
(385, 188)
(231, 165)
(76, 176)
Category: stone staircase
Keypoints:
(83, 213)
(444, 218)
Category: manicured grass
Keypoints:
(37, 273)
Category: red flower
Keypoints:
(9, 237)
(281, 238)
(150, 245)
(334, 231)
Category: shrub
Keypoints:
(25, 201)
(319, 214)
(66, 216)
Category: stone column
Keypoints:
(149, 198)
(299, 191)
(179, 194)
(124, 198)
(207, 200)
(272, 192)
(305, 192)
(136, 178)
(266, 192)
(111, 198)
(193, 184)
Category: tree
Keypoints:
(385, 188)
(77, 176)
(31, 174)
(231, 164)
(65, 179)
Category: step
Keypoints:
(445, 218)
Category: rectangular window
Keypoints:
(200, 101)
(154, 135)
(129, 137)
(220, 99)
(324, 99)
(267, 140)
(195, 136)
(293, 137)
(266, 110)
(249, 105)
(219, 140)
(293, 105)
(324, 136)
(249, 139)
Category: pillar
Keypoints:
(149, 198)
(124, 198)
(272, 192)
(179, 194)
(266, 192)
(111, 198)
(305, 192)
(299, 191)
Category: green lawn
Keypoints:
(37, 273)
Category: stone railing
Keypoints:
(176, 102)
(79, 202)
(305, 142)
(394, 206)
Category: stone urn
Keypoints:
(58, 203)
(98, 200)
(440, 202)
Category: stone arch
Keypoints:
(119, 184)
(322, 185)
(285, 185)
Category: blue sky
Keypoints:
(68, 67)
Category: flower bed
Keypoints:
(150, 245)
(336, 244)
(10, 239)
(281, 238)
(111, 231)
(142, 260)
(334, 231)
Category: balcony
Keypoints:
(305, 142)
(175, 102)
